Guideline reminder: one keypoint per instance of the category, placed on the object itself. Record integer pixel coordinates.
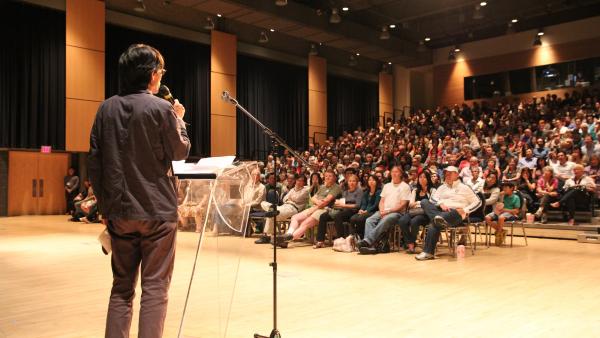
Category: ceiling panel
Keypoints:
(216, 6)
(345, 43)
(278, 24)
(252, 17)
(305, 32)
(324, 37)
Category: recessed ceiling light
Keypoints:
(272, 29)
(389, 63)
(219, 15)
(427, 39)
(456, 49)
(392, 26)
(515, 20)
(357, 54)
(483, 3)
(345, 9)
(540, 32)
(320, 43)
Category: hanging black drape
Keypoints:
(350, 104)
(188, 76)
(32, 76)
(277, 94)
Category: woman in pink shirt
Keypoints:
(546, 191)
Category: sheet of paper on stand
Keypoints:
(204, 166)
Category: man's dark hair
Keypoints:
(136, 65)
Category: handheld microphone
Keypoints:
(165, 93)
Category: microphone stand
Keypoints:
(276, 140)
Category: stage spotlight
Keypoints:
(515, 20)
(335, 16)
(537, 41)
(140, 6)
(280, 2)
(313, 50)
(483, 4)
(219, 15)
(263, 37)
(210, 24)
(427, 39)
(540, 32)
(385, 34)
(456, 49)
(392, 26)
(272, 30)
(345, 9)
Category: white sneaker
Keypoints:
(423, 256)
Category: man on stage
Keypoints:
(135, 137)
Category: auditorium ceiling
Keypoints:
(301, 23)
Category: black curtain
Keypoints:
(276, 94)
(188, 77)
(32, 76)
(350, 104)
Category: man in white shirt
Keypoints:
(466, 172)
(476, 182)
(394, 200)
(293, 202)
(578, 190)
(448, 206)
(563, 170)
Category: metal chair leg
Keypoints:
(524, 234)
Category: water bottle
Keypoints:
(460, 251)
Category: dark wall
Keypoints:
(32, 76)
(188, 76)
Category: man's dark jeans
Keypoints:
(433, 231)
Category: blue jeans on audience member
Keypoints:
(433, 232)
(375, 225)
(410, 226)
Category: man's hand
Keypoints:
(179, 109)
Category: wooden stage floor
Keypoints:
(54, 282)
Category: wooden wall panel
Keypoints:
(80, 118)
(317, 73)
(218, 83)
(84, 74)
(51, 169)
(317, 98)
(223, 57)
(85, 24)
(223, 140)
(386, 94)
(449, 78)
(223, 70)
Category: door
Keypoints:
(22, 183)
(52, 169)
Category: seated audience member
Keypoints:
(71, 182)
(593, 172)
(368, 205)
(589, 147)
(290, 183)
(507, 209)
(491, 168)
(342, 211)
(273, 189)
(529, 161)
(491, 192)
(540, 150)
(526, 186)
(293, 202)
(563, 170)
(578, 190)
(448, 207)
(546, 192)
(411, 222)
(511, 173)
(475, 182)
(254, 193)
(315, 183)
(466, 171)
(308, 218)
(394, 200)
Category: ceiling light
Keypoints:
(352, 61)
(345, 9)
(389, 63)
(335, 16)
(451, 56)
(515, 20)
(385, 35)
(456, 49)
(219, 15)
(280, 2)
(210, 25)
(540, 32)
(537, 41)
(357, 54)
(483, 4)
(313, 50)
(272, 29)
(421, 48)
(427, 39)
(263, 37)
(392, 26)
(478, 14)
(140, 6)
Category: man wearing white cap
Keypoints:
(448, 206)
